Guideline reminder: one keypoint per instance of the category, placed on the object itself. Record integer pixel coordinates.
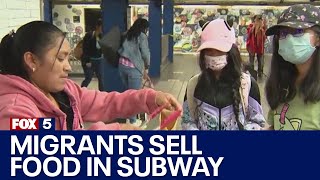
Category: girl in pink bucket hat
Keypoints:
(221, 96)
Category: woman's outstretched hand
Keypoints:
(168, 100)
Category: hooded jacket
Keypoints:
(200, 114)
(20, 98)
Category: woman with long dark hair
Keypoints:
(293, 88)
(135, 56)
(222, 96)
(34, 68)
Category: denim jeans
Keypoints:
(88, 73)
(132, 79)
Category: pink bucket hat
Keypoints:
(217, 35)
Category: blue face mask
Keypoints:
(296, 50)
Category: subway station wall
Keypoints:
(71, 19)
(186, 30)
(14, 13)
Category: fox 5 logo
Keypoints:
(31, 124)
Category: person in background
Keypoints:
(34, 82)
(92, 56)
(293, 87)
(221, 96)
(255, 44)
(135, 57)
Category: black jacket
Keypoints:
(89, 47)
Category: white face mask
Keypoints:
(216, 62)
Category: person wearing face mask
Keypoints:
(34, 67)
(293, 87)
(221, 96)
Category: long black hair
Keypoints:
(139, 26)
(230, 74)
(36, 37)
(281, 84)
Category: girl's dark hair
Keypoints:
(139, 26)
(281, 87)
(36, 37)
(230, 74)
